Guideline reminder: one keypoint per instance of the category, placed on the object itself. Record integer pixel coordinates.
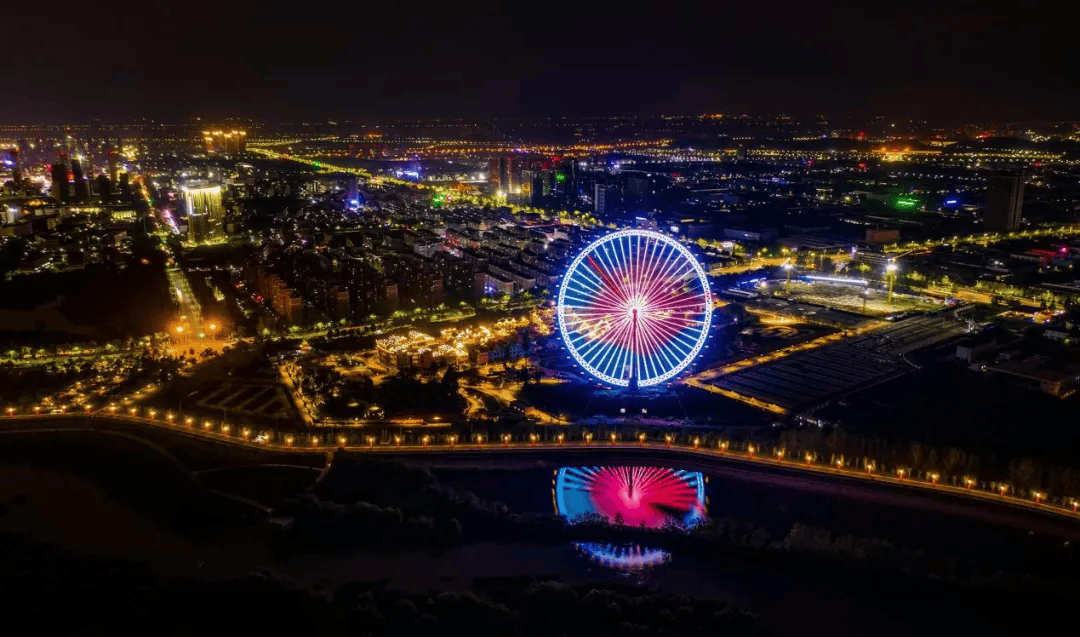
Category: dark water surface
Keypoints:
(74, 512)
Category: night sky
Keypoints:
(324, 60)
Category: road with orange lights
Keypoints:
(751, 463)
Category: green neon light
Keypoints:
(907, 203)
(560, 177)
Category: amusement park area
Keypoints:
(642, 331)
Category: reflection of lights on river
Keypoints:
(649, 497)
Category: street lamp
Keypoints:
(288, 441)
(787, 270)
(900, 473)
(722, 445)
(890, 276)
(970, 482)
(587, 436)
(371, 441)
(750, 450)
(668, 439)
(532, 438)
(779, 455)
(506, 440)
(809, 457)
(934, 478)
(560, 438)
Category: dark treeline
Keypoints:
(61, 593)
(952, 465)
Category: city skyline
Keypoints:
(636, 319)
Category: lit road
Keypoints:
(508, 394)
(190, 310)
(844, 482)
(988, 238)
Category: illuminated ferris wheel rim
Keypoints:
(706, 306)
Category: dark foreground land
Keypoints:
(386, 548)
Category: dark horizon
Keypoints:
(997, 63)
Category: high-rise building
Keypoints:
(527, 179)
(59, 173)
(504, 175)
(1004, 201)
(236, 142)
(206, 214)
(231, 142)
(113, 161)
(546, 185)
(125, 187)
(211, 139)
(198, 229)
(82, 192)
(600, 195)
(16, 165)
(566, 178)
(103, 187)
(352, 192)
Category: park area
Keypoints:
(853, 297)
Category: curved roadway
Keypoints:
(847, 484)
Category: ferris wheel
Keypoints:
(634, 308)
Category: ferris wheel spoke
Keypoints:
(634, 308)
(661, 351)
(663, 279)
(609, 260)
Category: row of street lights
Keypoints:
(752, 452)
